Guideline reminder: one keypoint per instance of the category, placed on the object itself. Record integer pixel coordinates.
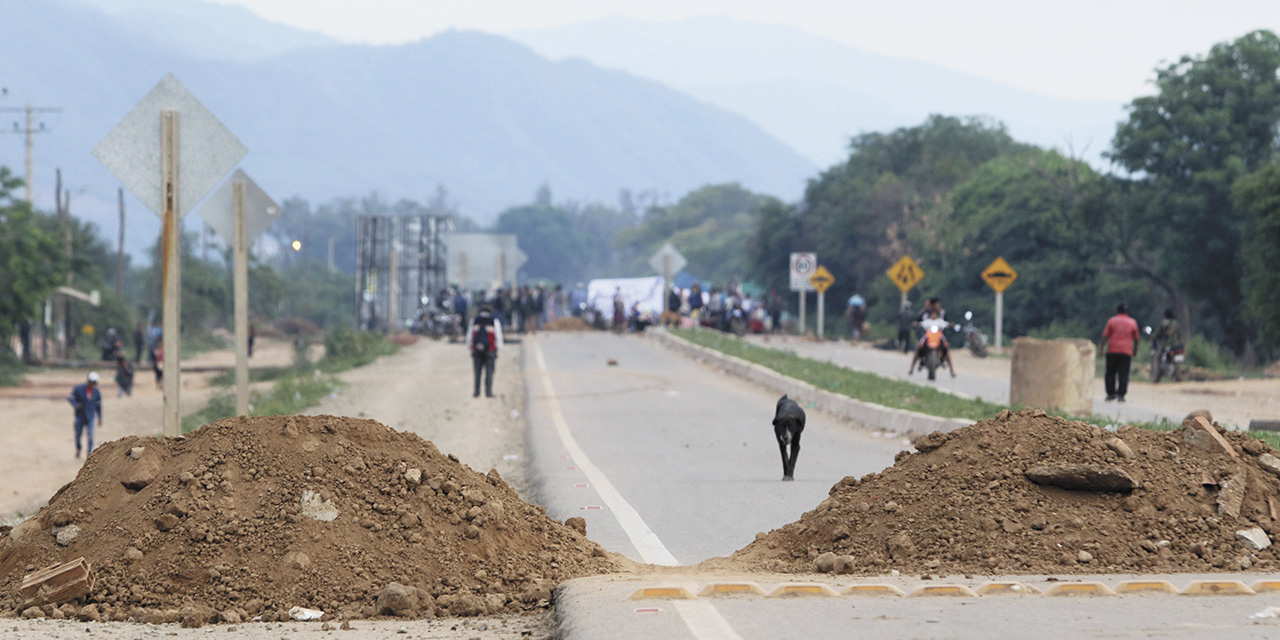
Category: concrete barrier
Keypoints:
(908, 423)
(1053, 374)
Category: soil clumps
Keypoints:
(567, 324)
(251, 517)
(990, 499)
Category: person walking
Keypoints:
(124, 377)
(1120, 343)
(87, 402)
(484, 339)
(856, 314)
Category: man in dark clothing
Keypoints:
(139, 339)
(87, 401)
(1120, 343)
(484, 339)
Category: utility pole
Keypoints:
(30, 130)
(63, 203)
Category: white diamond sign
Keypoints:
(667, 256)
(218, 210)
(207, 151)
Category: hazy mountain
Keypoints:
(480, 114)
(205, 30)
(814, 93)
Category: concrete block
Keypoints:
(1053, 374)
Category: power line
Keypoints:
(29, 130)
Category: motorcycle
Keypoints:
(974, 339)
(932, 357)
(1166, 360)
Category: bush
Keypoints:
(11, 368)
(1205, 354)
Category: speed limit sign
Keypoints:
(803, 266)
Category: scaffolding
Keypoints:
(401, 267)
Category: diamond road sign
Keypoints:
(662, 255)
(905, 273)
(219, 210)
(999, 275)
(821, 279)
(206, 149)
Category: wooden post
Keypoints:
(171, 263)
(241, 278)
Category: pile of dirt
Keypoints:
(1031, 493)
(567, 324)
(251, 517)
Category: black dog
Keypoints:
(788, 422)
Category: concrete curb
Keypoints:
(895, 420)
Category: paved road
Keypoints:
(671, 463)
(987, 379)
(691, 451)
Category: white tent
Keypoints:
(646, 291)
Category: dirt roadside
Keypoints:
(37, 420)
(424, 389)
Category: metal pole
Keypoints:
(120, 254)
(802, 297)
(171, 259)
(822, 297)
(392, 291)
(241, 300)
(999, 321)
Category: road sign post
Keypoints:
(999, 275)
(170, 168)
(803, 266)
(667, 261)
(906, 274)
(238, 212)
(821, 280)
(171, 266)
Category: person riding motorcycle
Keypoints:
(1167, 334)
(931, 322)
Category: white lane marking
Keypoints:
(702, 618)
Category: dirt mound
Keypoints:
(966, 502)
(254, 516)
(567, 324)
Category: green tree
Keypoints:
(1212, 120)
(31, 258)
(557, 248)
(1258, 194)
(711, 226)
(893, 197)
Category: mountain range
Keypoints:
(814, 93)
(480, 114)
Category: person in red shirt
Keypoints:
(1120, 343)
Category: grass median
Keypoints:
(296, 388)
(887, 392)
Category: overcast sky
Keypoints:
(1103, 49)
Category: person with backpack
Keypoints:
(484, 339)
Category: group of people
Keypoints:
(718, 307)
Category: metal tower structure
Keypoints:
(401, 266)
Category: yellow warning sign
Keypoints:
(905, 273)
(821, 279)
(999, 275)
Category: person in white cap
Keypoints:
(87, 401)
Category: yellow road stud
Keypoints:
(1146, 586)
(803, 590)
(1217, 588)
(873, 590)
(731, 589)
(666, 593)
(952, 590)
(1079, 589)
(1006, 589)
(1263, 586)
